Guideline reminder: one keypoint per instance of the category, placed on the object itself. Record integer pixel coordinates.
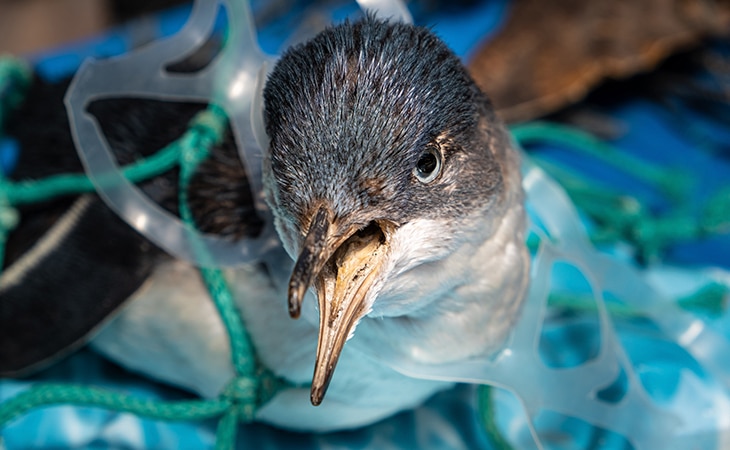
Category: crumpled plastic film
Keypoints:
(697, 416)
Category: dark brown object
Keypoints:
(551, 54)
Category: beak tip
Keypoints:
(320, 384)
(294, 311)
(316, 396)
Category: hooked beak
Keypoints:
(343, 265)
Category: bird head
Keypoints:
(384, 157)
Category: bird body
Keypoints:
(350, 116)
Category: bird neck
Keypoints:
(481, 288)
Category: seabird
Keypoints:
(397, 197)
(394, 187)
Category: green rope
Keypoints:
(210, 131)
(190, 158)
(32, 191)
(240, 342)
(58, 394)
(225, 436)
(487, 413)
(710, 300)
(716, 215)
(674, 183)
(617, 215)
(252, 385)
(243, 389)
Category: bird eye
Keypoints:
(428, 166)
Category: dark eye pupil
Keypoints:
(427, 163)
